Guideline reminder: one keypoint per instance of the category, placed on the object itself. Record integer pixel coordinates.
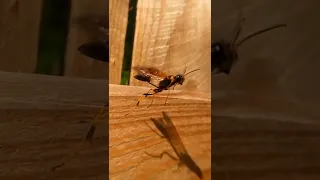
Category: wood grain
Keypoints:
(130, 137)
(173, 35)
(78, 65)
(118, 17)
(19, 34)
(42, 119)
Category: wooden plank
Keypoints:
(19, 33)
(173, 35)
(42, 119)
(76, 63)
(118, 11)
(130, 137)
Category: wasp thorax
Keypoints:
(179, 79)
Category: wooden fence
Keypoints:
(170, 35)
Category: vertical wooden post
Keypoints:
(76, 63)
(173, 35)
(19, 33)
(118, 11)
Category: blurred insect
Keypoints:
(148, 74)
(224, 54)
(97, 28)
(169, 131)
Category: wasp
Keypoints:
(97, 27)
(169, 131)
(148, 74)
(224, 54)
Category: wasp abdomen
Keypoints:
(142, 77)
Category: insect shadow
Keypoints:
(88, 138)
(169, 131)
(224, 53)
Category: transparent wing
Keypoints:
(152, 72)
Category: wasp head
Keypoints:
(223, 56)
(179, 79)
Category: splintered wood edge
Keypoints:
(121, 90)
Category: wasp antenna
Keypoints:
(260, 32)
(238, 27)
(191, 72)
(185, 69)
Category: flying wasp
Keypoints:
(169, 131)
(224, 54)
(148, 74)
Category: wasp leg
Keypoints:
(88, 139)
(165, 103)
(161, 155)
(143, 96)
(138, 102)
(168, 94)
(153, 93)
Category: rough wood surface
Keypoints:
(19, 34)
(173, 35)
(76, 64)
(266, 113)
(118, 11)
(130, 137)
(42, 119)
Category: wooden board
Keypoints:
(19, 34)
(118, 19)
(173, 35)
(78, 65)
(130, 137)
(42, 119)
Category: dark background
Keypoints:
(266, 113)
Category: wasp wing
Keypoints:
(151, 72)
(96, 28)
(98, 50)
